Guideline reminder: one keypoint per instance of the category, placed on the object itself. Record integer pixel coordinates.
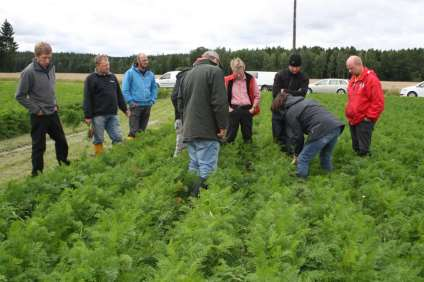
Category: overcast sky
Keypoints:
(126, 27)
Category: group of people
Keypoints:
(209, 109)
(102, 99)
(103, 96)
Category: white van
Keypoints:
(264, 79)
(168, 79)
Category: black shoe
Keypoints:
(301, 178)
(196, 191)
(197, 186)
(363, 154)
(36, 173)
(66, 163)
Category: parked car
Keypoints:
(264, 79)
(413, 91)
(167, 80)
(331, 85)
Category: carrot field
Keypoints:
(125, 216)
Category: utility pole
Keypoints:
(294, 25)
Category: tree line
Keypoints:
(318, 62)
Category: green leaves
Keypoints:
(125, 216)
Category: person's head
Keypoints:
(212, 56)
(43, 53)
(238, 67)
(142, 61)
(354, 65)
(295, 63)
(102, 64)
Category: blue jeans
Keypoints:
(203, 157)
(325, 145)
(111, 124)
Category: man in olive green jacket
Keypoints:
(204, 104)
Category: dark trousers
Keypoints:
(240, 117)
(139, 119)
(50, 124)
(279, 130)
(361, 137)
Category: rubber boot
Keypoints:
(98, 149)
(197, 186)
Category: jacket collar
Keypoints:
(135, 67)
(204, 61)
(234, 77)
(38, 67)
(365, 72)
(101, 74)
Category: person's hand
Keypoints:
(128, 113)
(56, 108)
(40, 113)
(230, 109)
(178, 124)
(87, 121)
(294, 161)
(252, 110)
(367, 119)
(222, 133)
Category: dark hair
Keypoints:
(284, 98)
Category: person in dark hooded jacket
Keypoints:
(304, 116)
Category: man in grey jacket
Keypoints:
(36, 92)
(204, 106)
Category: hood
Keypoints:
(135, 67)
(363, 75)
(292, 100)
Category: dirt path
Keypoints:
(15, 154)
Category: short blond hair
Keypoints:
(100, 58)
(42, 48)
(237, 64)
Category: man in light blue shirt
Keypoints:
(140, 92)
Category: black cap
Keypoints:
(295, 60)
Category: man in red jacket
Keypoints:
(365, 104)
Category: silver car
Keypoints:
(331, 85)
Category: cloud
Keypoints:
(156, 27)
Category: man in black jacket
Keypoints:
(304, 116)
(295, 83)
(102, 97)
